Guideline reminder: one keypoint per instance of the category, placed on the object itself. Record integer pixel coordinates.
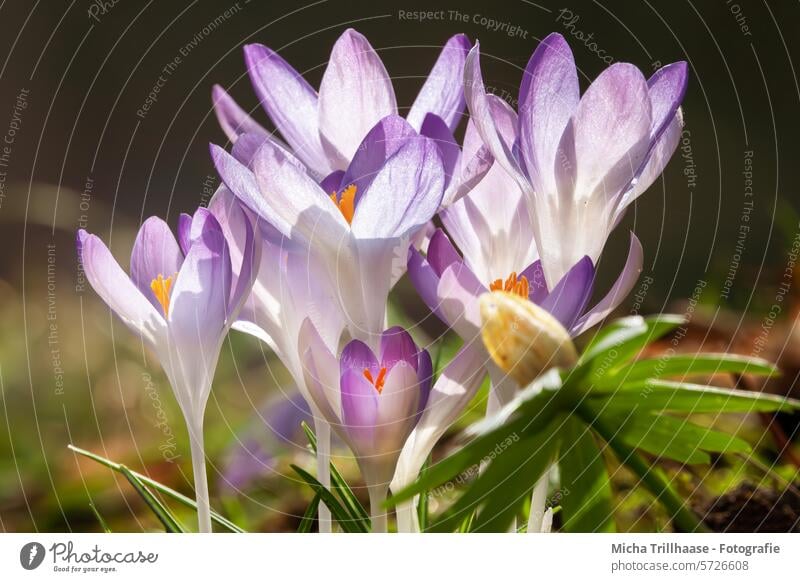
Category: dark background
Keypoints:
(87, 77)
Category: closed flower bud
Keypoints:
(522, 338)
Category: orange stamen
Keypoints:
(161, 287)
(379, 381)
(346, 203)
(513, 284)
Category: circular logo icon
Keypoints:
(31, 555)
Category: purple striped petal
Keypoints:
(538, 286)
(568, 299)
(618, 292)
(155, 252)
(436, 129)
(404, 195)
(290, 102)
(359, 357)
(359, 410)
(398, 348)
(443, 93)
(425, 280)
(441, 252)
(184, 231)
(355, 94)
(548, 97)
(233, 120)
(667, 88)
(114, 287)
(332, 183)
(425, 376)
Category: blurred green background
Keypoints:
(74, 75)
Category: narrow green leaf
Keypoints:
(683, 365)
(354, 506)
(159, 509)
(664, 395)
(422, 506)
(179, 497)
(346, 521)
(103, 524)
(586, 489)
(308, 517)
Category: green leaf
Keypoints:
(309, 515)
(674, 438)
(621, 341)
(422, 506)
(659, 395)
(349, 523)
(179, 497)
(683, 365)
(586, 496)
(338, 482)
(159, 509)
(103, 524)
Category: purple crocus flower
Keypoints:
(324, 129)
(358, 222)
(451, 288)
(581, 159)
(382, 405)
(182, 297)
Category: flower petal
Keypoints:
(568, 299)
(441, 252)
(398, 348)
(356, 92)
(184, 231)
(404, 195)
(549, 95)
(667, 88)
(618, 292)
(425, 280)
(155, 252)
(358, 356)
(114, 287)
(443, 93)
(291, 103)
(436, 129)
(359, 410)
(398, 405)
(233, 120)
(321, 373)
(458, 293)
(538, 286)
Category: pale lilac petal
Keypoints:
(155, 252)
(425, 280)
(398, 348)
(320, 372)
(290, 102)
(441, 252)
(356, 92)
(443, 94)
(549, 96)
(382, 141)
(246, 147)
(114, 287)
(458, 293)
(604, 145)
(404, 195)
(359, 410)
(618, 292)
(398, 405)
(451, 393)
(436, 129)
(667, 88)
(568, 299)
(233, 120)
(482, 110)
(242, 182)
(358, 356)
(184, 231)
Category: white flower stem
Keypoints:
(377, 512)
(538, 503)
(200, 477)
(323, 432)
(407, 518)
(502, 389)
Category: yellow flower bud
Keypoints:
(522, 338)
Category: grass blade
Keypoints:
(348, 523)
(308, 516)
(159, 509)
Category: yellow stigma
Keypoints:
(513, 284)
(522, 338)
(161, 287)
(377, 382)
(346, 202)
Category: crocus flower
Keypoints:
(182, 298)
(324, 129)
(581, 159)
(290, 287)
(358, 222)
